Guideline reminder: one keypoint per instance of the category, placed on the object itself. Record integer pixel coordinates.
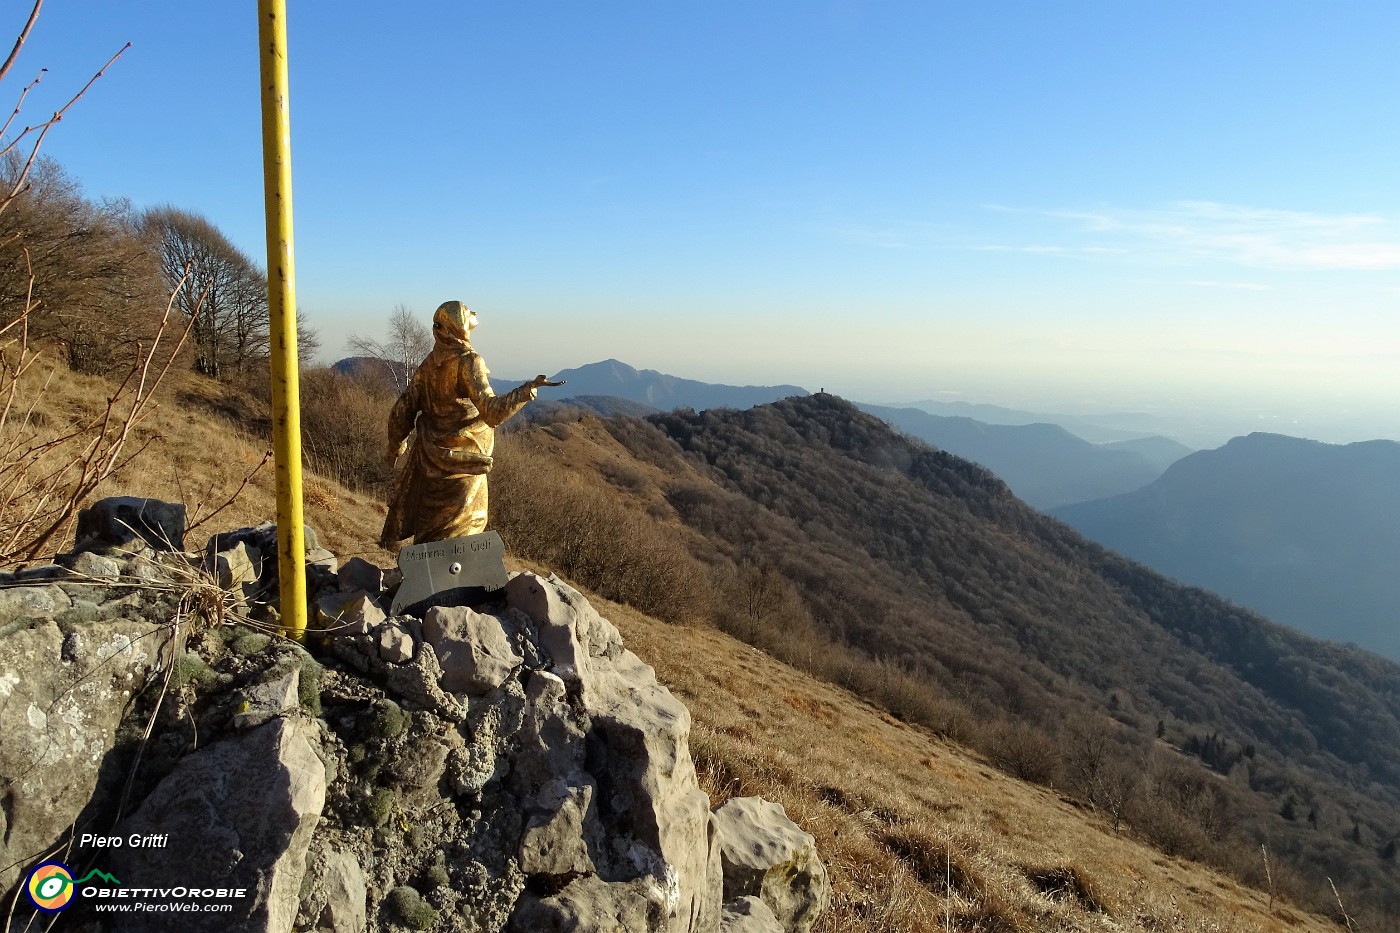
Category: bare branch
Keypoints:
(19, 43)
(19, 105)
(236, 493)
(43, 482)
(43, 128)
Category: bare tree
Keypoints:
(231, 328)
(78, 268)
(308, 339)
(408, 341)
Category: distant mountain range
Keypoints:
(607, 388)
(1044, 464)
(658, 390)
(1097, 429)
(371, 369)
(1306, 533)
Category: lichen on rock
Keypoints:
(510, 767)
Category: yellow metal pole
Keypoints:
(282, 314)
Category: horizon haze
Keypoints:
(1172, 209)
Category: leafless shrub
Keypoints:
(590, 533)
(342, 429)
(44, 477)
(1099, 767)
(1025, 751)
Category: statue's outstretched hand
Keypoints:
(541, 380)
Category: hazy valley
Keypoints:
(1303, 532)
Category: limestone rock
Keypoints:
(360, 574)
(748, 915)
(261, 543)
(237, 568)
(61, 700)
(270, 698)
(320, 557)
(237, 813)
(591, 905)
(420, 765)
(345, 893)
(32, 602)
(570, 631)
(395, 644)
(37, 574)
(472, 648)
(95, 566)
(765, 854)
(647, 830)
(148, 570)
(263, 537)
(494, 725)
(418, 680)
(354, 613)
(554, 842)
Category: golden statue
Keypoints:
(440, 491)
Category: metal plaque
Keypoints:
(455, 572)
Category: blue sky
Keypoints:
(1089, 205)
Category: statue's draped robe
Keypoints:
(440, 490)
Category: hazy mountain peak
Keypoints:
(612, 367)
(613, 377)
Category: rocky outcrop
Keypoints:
(472, 648)
(748, 915)
(764, 854)
(73, 654)
(238, 813)
(606, 779)
(510, 767)
(575, 804)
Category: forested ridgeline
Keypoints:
(916, 579)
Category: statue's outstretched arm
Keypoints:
(476, 385)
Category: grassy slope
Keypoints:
(196, 456)
(886, 801)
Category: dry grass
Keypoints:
(919, 833)
(195, 456)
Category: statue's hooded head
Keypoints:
(452, 324)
